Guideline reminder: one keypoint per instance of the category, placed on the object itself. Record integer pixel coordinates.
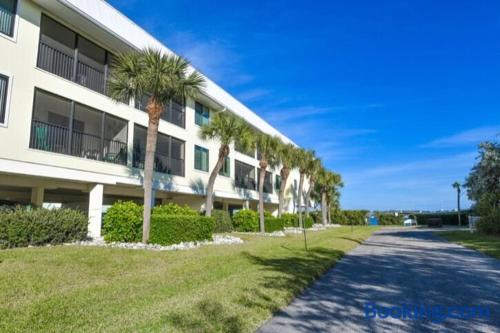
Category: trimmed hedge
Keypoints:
(22, 227)
(246, 220)
(290, 220)
(447, 218)
(308, 222)
(348, 217)
(223, 222)
(174, 229)
(175, 209)
(274, 224)
(123, 222)
(389, 219)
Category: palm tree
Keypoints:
(457, 186)
(287, 156)
(304, 158)
(314, 168)
(267, 147)
(161, 77)
(325, 182)
(226, 128)
(333, 195)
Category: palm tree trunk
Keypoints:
(329, 210)
(211, 180)
(154, 112)
(299, 199)
(458, 206)
(262, 176)
(308, 195)
(324, 208)
(285, 172)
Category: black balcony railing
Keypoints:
(55, 61)
(245, 182)
(162, 163)
(91, 76)
(49, 137)
(57, 139)
(88, 73)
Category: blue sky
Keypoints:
(394, 95)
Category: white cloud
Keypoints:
(252, 94)
(468, 137)
(213, 57)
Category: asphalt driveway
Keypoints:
(399, 269)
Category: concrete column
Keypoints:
(153, 198)
(246, 204)
(95, 210)
(130, 143)
(37, 194)
(225, 206)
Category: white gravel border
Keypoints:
(266, 234)
(315, 227)
(216, 240)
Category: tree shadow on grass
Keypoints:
(206, 316)
(286, 276)
(283, 278)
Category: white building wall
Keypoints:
(18, 59)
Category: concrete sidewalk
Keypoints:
(395, 267)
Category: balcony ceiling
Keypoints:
(81, 24)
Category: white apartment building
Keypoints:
(63, 141)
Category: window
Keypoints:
(202, 114)
(169, 156)
(200, 158)
(244, 175)
(63, 126)
(226, 167)
(277, 183)
(65, 53)
(174, 112)
(238, 146)
(7, 16)
(4, 83)
(268, 181)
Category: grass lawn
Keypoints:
(487, 244)
(228, 288)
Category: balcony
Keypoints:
(169, 157)
(65, 127)
(175, 111)
(268, 181)
(244, 176)
(69, 55)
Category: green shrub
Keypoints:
(246, 220)
(490, 224)
(274, 224)
(308, 222)
(174, 229)
(223, 222)
(22, 227)
(123, 222)
(447, 218)
(316, 215)
(487, 207)
(389, 219)
(175, 209)
(290, 220)
(348, 217)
